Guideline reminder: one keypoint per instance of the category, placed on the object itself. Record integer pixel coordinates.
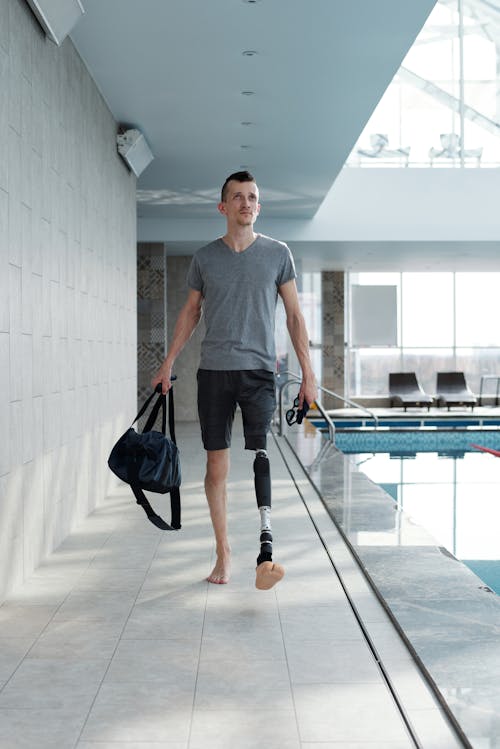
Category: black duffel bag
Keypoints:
(150, 460)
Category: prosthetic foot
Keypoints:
(268, 574)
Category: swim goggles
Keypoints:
(295, 415)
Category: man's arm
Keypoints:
(188, 319)
(298, 333)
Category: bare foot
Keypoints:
(268, 574)
(221, 572)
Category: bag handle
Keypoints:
(162, 403)
(157, 405)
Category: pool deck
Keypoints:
(118, 642)
(448, 618)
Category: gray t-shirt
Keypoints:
(240, 291)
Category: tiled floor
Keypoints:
(117, 642)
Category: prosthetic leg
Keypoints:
(268, 573)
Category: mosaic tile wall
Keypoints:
(333, 350)
(187, 363)
(161, 292)
(151, 313)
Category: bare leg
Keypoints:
(215, 489)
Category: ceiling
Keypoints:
(177, 71)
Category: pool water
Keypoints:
(444, 484)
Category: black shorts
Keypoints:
(219, 391)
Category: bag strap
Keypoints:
(145, 405)
(160, 403)
(157, 520)
(175, 497)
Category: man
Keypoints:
(236, 279)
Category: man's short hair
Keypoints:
(238, 177)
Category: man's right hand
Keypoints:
(163, 376)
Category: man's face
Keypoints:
(241, 204)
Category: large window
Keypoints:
(441, 109)
(445, 322)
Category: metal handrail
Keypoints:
(297, 378)
(352, 403)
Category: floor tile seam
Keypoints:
(335, 641)
(276, 664)
(45, 708)
(344, 683)
(271, 711)
(295, 640)
(297, 725)
(195, 686)
(110, 660)
(102, 590)
(166, 606)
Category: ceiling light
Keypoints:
(245, 147)
(248, 93)
(246, 123)
(249, 53)
(251, 2)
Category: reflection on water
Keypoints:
(453, 493)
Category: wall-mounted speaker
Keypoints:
(57, 17)
(133, 148)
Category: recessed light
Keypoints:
(248, 93)
(249, 53)
(245, 147)
(246, 123)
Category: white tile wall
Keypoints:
(4, 403)
(33, 509)
(4, 116)
(4, 275)
(67, 293)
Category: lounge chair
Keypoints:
(451, 148)
(380, 149)
(405, 390)
(452, 390)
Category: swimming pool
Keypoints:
(444, 484)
